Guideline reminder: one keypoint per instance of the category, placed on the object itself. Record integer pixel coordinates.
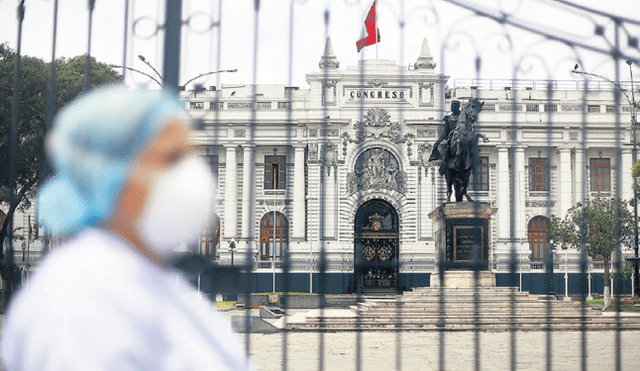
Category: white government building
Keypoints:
(342, 166)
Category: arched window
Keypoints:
(267, 249)
(210, 242)
(538, 237)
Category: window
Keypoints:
(216, 105)
(274, 172)
(264, 105)
(210, 242)
(538, 174)
(269, 251)
(538, 237)
(480, 179)
(196, 105)
(213, 163)
(533, 108)
(600, 174)
(593, 108)
(488, 108)
(611, 109)
(284, 105)
(551, 108)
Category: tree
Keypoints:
(32, 119)
(599, 225)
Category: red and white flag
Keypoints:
(373, 35)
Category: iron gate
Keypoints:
(521, 198)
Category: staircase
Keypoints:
(453, 309)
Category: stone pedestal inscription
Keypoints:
(465, 242)
(462, 235)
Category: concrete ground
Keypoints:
(420, 351)
(409, 351)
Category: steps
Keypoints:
(464, 309)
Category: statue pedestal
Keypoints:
(460, 279)
(463, 243)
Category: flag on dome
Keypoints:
(373, 34)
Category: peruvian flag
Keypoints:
(373, 35)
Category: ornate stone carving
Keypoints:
(329, 157)
(239, 133)
(540, 203)
(425, 94)
(331, 133)
(377, 125)
(313, 151)
(424, 133)
(377, 83)
(424, 151)
(377, 174)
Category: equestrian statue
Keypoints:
(456, 150)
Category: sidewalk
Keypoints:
(420, 350)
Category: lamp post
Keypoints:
(566, 274)
(160, 79)
(232, 248)
(549, 261)
(634, 125)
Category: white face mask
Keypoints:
(178, 207)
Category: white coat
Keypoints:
(97, 304)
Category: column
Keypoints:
(564, 181)
(299, 193)
(519, 184)
(626, 193)
(579, 182)
(231, 193)
(247, 183)
(504, 209)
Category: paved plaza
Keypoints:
(419, 350)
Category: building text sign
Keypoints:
(381, 94)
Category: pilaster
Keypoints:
(564, 179)
(299, 192)
(231, 193)
(247, 180)
(503, 192)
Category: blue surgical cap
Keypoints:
(92, 147)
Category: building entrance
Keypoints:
(376, 247)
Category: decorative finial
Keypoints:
(329, 60)
(425, 60)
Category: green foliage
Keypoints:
(32, 113)
(33, 92)
(635, 174)
(624, 273)
(599, 225)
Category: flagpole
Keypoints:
(375, 2)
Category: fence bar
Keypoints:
(87, 72)
(10, 266)
(172, 28)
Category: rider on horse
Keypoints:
(459, 144)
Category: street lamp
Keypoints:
(549, 264)
(160, 79)
(232, 248)
(634, 125)
(143, 59)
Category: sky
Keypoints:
(221, 36)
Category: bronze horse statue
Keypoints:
(461, 152)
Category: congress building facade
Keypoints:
(339, 172)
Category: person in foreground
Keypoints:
(128, 190)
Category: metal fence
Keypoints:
(280, 267)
